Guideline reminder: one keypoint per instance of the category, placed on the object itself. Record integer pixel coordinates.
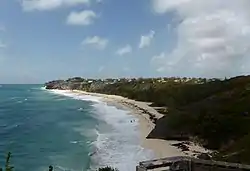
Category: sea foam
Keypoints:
(118, 139)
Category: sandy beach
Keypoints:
(161, 148)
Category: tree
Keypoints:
(108, 168)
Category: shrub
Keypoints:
(108, 168)
(7, 163)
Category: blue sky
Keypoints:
(42, 46)
(41, 40)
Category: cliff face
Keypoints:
(164, 131)
(57, 84)
(76, 84)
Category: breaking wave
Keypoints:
(117, 141)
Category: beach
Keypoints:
(142, 110)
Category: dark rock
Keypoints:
(50, 168)
(163, 131)
(57, 84)
(187, 142)
(176, 144)
(204, 156)
(181, 146)
(154, 120)
(64, 85)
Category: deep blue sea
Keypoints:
(71, 132)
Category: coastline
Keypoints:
(142, 110)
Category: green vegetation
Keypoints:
(214, 112)
(107, 169)
(8, 167)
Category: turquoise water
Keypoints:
(68, 131)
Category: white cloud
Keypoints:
(212, 37)
(162, 6)
(97, 42)
(160, 62)
(83, 18)
(124, 50)
(146, 39)
(42, 5)
(157, 58)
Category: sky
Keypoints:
(42, 40)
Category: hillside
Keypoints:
(213, 112)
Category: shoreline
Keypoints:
(142, 110)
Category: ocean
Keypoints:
(71, 132)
